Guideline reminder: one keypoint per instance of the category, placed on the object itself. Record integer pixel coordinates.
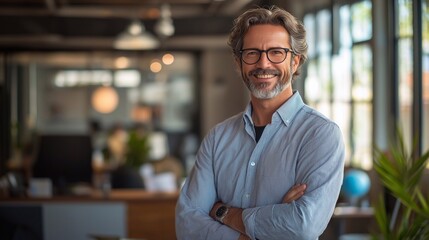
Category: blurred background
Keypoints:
(118, 94)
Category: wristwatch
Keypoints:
(221, 213)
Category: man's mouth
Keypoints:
(264, 73)
(264, 76)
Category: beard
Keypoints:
(259, 90)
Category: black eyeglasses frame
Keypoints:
(266, 52)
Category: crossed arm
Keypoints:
(234, 220)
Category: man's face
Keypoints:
(265, 79)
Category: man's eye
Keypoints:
(252, 53)
(276, 52)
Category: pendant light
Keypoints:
(136, 38)
(164, 27)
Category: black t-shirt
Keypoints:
(259, 130)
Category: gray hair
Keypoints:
(276, 16)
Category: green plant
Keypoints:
(137, 149)
(401, 173)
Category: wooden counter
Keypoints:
(149, 215)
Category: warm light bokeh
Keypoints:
(105, 99)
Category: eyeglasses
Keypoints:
(275, 55)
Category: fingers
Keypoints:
(243, 237)
(294, 193)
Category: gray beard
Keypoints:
(257, 90)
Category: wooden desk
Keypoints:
(149, 215)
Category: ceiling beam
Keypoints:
(55, 42)
(50, 4)
(234, 7)
(151, 12)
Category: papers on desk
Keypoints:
(349, 211)
(40, 187)
(164, 182)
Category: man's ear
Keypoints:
(295, 62)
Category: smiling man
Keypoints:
(275, 170)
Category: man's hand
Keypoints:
(243, 237)
(294, 193)
(233, 218)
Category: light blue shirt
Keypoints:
(300, 145)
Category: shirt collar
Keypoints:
(285, 113)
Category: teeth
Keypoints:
(265, 76)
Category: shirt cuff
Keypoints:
(249, 218)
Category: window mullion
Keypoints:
(417, 76)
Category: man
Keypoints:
(252, 170)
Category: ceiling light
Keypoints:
(122, 62)
(136, 38)
(105, 99)
(164, 27)
(168, 58)
(155, 66)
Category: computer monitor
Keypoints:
(65, 159)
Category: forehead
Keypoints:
(266, 35)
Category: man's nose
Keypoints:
(263, 60)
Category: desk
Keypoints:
(347, 213)
(127, 213)
(353, 212)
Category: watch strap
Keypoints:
(221, 213)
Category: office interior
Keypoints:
(98, 132)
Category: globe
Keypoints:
(356, 183)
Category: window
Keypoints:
(425, 61)
(413, 104)
(75, 78)
(404, 41)
(339, 80)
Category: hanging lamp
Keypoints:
(135, 37)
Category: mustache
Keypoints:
(262, 71)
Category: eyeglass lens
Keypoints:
(275, 55)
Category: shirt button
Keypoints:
(252, 164)
(247, 195)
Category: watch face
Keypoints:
(220, 211)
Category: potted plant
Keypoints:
(400, 173)
(137, 149)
